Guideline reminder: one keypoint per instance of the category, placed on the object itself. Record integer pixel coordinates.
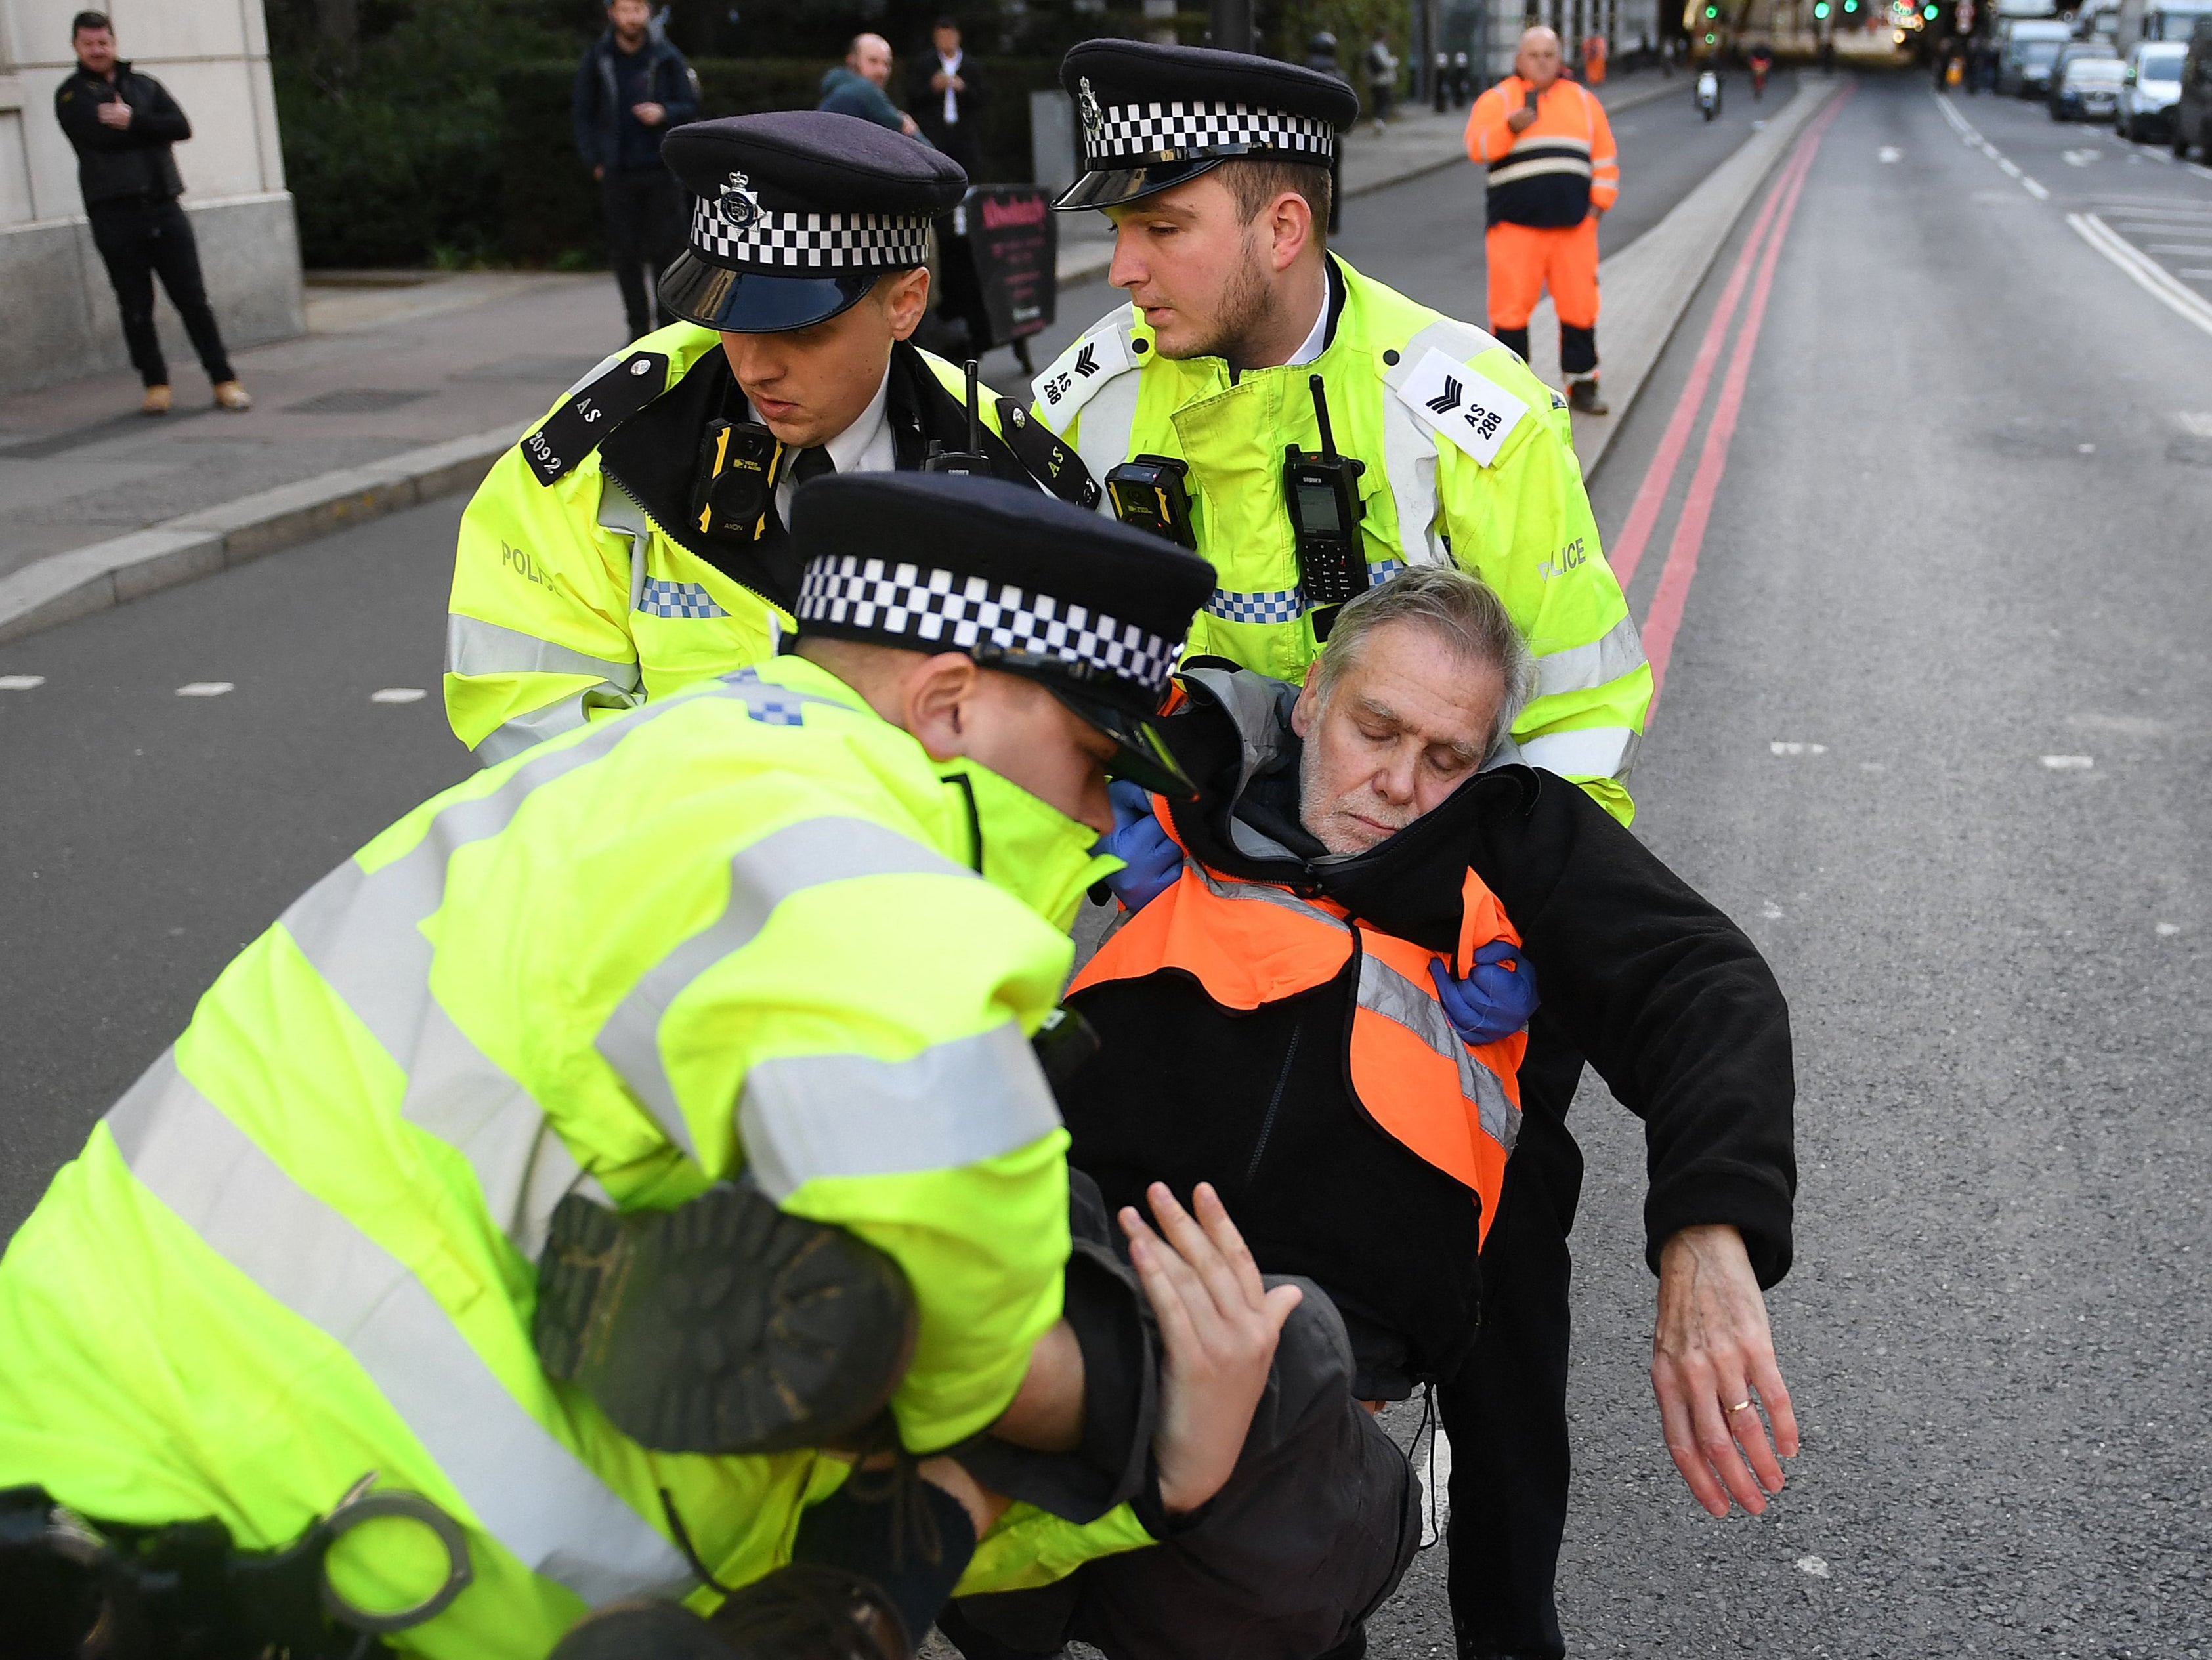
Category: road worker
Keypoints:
(1319, 1008)
(1442, 447)
(1552, 170)
(521, 1216)
(635, 539)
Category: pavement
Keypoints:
(405, 387)
(1911, 512)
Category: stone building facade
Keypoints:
(57, 318)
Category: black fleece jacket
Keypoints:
(1662, 994)
(117, 164)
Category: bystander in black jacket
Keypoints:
(962, 140)
(117, 164)
(607, 135)
(1666, 997)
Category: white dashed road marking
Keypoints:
(21, 682)
(1782, 747)
(2167, 930)
(206, 688)
(1889, 153)
(399, 694)
(2070, 762)
(2144, 271)
(1817, 1566)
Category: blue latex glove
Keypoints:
(1495, 999)
(1139, 840)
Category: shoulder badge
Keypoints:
(592, 410)
(1048, 461)
(1473, 410)
(1067, 385)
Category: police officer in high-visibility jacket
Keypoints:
(634, 541)
(1441, 446)
(1552, 170)
(611, 1133)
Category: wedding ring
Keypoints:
(1741, 1405)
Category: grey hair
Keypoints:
(1461, 609)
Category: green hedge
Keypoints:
(549, 213)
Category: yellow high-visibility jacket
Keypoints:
(1470, 459)
(738, 930)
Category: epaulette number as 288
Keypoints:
(595, 409)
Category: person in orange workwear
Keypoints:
(1552, 170)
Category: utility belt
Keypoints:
(73, 1586)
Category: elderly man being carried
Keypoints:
(1318, 1007)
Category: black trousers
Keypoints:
(1312, 1533)
(1506, 1412)
(139, 239)
(644, 211)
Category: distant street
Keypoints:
(1931, 606)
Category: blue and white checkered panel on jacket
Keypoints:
(1283, 605)
(677, 599)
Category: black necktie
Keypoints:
(811, 462)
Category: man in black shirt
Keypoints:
(121, 123)
(631, 87)
(1355, 810)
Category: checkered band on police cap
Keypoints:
(793, 242)
(1181, 131)
(957, 613)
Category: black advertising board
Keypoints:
(1007, 235)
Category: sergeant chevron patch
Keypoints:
(1473, 411)
(1084, 367)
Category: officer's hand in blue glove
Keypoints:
(1495, 999)
(1140, 842)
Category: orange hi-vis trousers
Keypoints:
(1524, 261)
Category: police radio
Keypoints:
(1323, 488)
(971, 459)
(1147, 492)
(738, 462)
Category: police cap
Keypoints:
(1153, 115)
(1021, 582)
(796, 213)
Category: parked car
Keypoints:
(2144, 111)
(2192, 110)
(2025, 70)
(2087, 89)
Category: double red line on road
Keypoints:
(1762, 248)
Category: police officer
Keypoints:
(1441, 446)
(439, 1181)
(1214, 169)
(636, 540)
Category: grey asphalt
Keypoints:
(1960, 531)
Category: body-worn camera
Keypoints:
(1322, 490)
(738, 462)
(1147, 491)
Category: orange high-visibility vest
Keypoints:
(1249, 943)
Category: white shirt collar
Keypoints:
(864, 446)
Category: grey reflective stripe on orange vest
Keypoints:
(1384, 991)
(1583, 668)
(362, 931)
(805, 854)
(811, 1115)
(1228, 888)
(537, 1499)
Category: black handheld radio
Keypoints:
(738, 462)
(1148, 492)
(1323, 488)
(971, 459)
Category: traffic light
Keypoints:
(1930, 10)
(1713, 11)
(1710, 39)
(1851, 5)
(1820, 9)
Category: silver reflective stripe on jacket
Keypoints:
(1619, 651)
(530, 1492)
(803, 855)
(1384, 991)
(361, 931)
(476, 648)
(1586, 752)
(811, 1115)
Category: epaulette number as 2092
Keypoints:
(592, 411)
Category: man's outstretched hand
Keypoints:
(1712, 1368)
(1218, 1325)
